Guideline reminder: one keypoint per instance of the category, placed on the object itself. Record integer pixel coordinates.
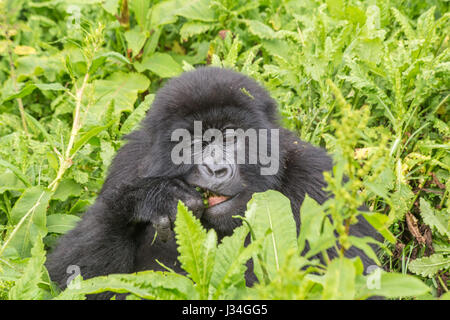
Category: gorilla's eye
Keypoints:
(230, 137)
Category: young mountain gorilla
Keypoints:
(140, 195)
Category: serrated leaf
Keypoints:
(193, 28)
(146, 285)
(190, 236)
(260, 30)
(432, 219)
(27, 286)
(429, 266)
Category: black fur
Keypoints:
(116, 235)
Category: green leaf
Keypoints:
(67, 188)
(135, 39)
(61, 223)
(260, 30)
(363, 244)
(339, 281)
(119, 88)
(161, 64)
(41, 128)
(16, 171)
(193, 244)
(271, 212)
(140, 8)
(27, 287)
(133, 120)
(193, 28)
(312, 215)
(29, 219)
(391, 285)
(381, 223)
(231, 256)
(146, 285)
(429, 266)
(433, 219)
(9, 181)
(197, 10)
(165, 12)
(87, 136)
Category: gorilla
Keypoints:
(130, 225)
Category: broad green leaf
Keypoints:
(146, 285)
(61, 223)
(135, 40)
(9, 181)
(164, 12)
(271, 213)
(120, 87)
(429, 266)
(161, 64)
(339, 281)
(140, 8)
(311, 217)
(197, 10)
(434, 219)
(67, 188)
(391, 285)
(29, 219)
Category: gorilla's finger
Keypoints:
(163, 228)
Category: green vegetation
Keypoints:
(367, 80)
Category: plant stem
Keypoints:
(14, 82)
(66, 160)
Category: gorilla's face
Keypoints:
(217, 135)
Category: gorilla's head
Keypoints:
(217, 130)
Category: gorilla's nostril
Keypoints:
(221, 172)
(209, 171)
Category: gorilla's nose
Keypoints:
(217, 172)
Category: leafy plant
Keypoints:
(366, 80)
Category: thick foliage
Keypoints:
(368, 80)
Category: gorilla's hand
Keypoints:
(159, 206)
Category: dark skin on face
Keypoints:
(130, 226)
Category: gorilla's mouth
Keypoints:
(211, 198)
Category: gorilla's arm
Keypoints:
(105, 240)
